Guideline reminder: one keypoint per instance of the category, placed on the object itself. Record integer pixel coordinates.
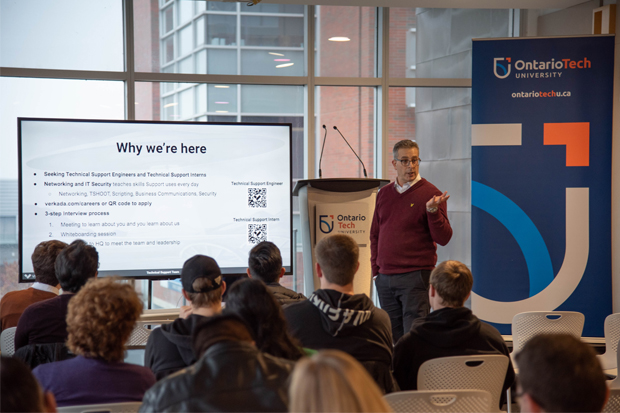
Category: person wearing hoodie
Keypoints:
(334, 317)
(169, 348)
(449, 330)
(265, 264)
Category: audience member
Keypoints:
(265, 264)
(44, 322)
(333, 381)
(20, 390)
(169, 348)
(560, 373)
(100, 320)
(450, 330)
(45, 286)
(251, 301)
(231, 375)
(337, 318)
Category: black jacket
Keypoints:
(230, 377)
(283, 295)
(444, 333)
(350, 323)
(169, 348)
(35, 354)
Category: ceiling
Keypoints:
(442, 4)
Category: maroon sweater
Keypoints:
(403, 235)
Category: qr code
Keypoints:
(257, 197)
(257, 233)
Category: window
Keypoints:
(208, 57)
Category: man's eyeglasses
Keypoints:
(406, 162)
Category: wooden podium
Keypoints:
(337, 205)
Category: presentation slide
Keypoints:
(150, 195)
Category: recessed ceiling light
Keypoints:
(339, 39)
(170, 105)
(276, 54)
(222, 86)
(284, 65)
(221, 103)
(221, 111)
(281, 60)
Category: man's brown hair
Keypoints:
(204, 299)
(43, 259)
(338, 255)
(453, 281)
(404, 144)
(561, 373)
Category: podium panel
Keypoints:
(337, 206)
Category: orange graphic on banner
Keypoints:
(576, 137)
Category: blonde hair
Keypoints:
(333, 381)
(101, 317)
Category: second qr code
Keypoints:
(257, 197)
(257, 233)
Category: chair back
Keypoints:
(482, 372)
(529, 324)
(444, 401)
(128, 407)
(609, 359)
(615, 383)
(613, 404)
(141, 332)
(7, 341)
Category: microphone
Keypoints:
(345, 139)
(323, 147)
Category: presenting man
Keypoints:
(410, 220)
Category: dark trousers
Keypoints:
(404, 297)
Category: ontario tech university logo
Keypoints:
(324, 224)
(505, 70)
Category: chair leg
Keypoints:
(508, 401)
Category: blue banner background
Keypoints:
(535, 176)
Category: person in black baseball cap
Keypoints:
(169, 348)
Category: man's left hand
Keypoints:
(435, 201)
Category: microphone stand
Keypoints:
(345, 139)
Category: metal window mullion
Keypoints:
(258, 14)
(430, 82)
(383, 146)
(130, 85)
(310, 118)
(62, 74)
(238, 33)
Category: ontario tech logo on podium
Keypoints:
(326, 226)
(347, 218)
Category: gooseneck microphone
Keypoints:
(345, 139)
(323, 147)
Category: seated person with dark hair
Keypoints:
(169, 348)
(99, 321)
(560, 373)
(251, 300)
(231, 374)
(265, 264)
(46, 285)
(20, 390)
(450, 330)
(334, 317)
(44, 322)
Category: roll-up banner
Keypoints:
(541, 178)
